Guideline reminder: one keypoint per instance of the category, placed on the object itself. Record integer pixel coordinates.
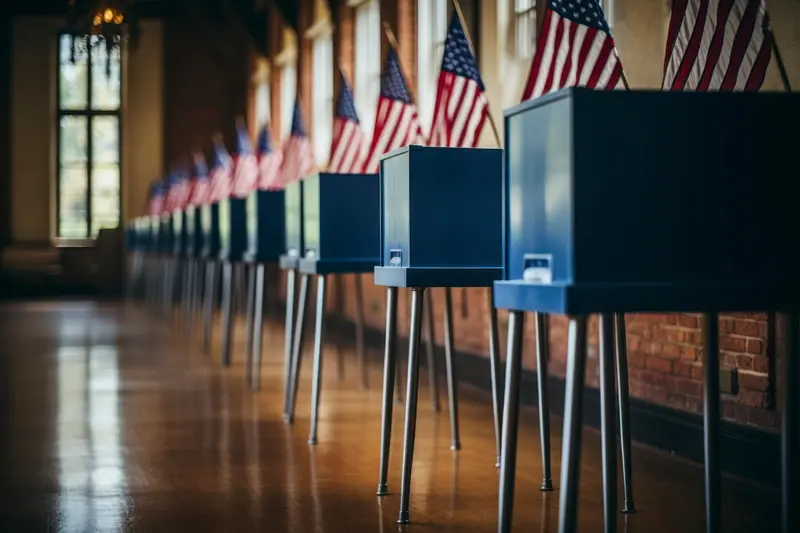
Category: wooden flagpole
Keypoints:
(393, 43)
(460, 14)
(778, 57)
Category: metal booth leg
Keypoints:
(711, 420)
(620, 335)
(297, 348)
(316, 385)
(341, 297)
(452, 384)
(508, 453)
(360, 354)
(186, 285)
(494, 369)
(430, 348)
(389, 368)
(227, 312)
(790, 439)
(291, 281)
(607, 430)
(573, 418)
(540, 329)
(250, 324)
(210, 296)
(258, 329)
(417, 306)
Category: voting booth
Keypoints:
(232, 229)
(441, 226)
(643, 201)
(265, 225)
(341, 235)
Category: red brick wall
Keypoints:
(664, 350)
(205, 84)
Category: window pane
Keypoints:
(73, 79)
(105, 86)
(368, 63)
(105, 140)
(73, 140)
(72, 188)
(323, 98)
(262, 104)
(105, 197)
(288, 95)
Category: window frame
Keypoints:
(287, 98)
(322, 105)
(366, 98)
(431, 37)
(90, 114)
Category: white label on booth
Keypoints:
(538, 268)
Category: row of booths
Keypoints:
(601, 203)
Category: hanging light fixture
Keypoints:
(99, 23)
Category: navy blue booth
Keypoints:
(266, 241)
(441, 222)
(341, 226)
(233, 246)
(193, 251)
(644, 202)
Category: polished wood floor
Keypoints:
(112, 421)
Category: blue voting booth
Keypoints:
(341, 224)
(341, 230)
(266, 241)
(643, 201)
(265, 226)
(209, 217)
(441, 226)
(440, 217)
(232, 229)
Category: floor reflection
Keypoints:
(91, 471)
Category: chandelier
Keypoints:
(99, 23)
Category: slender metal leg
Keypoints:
(258, 330)
(430, 347)
(607, 430)
(291, 281)
(624, 412)
(540, 329)
(711, 421)
(212, 279)
(340, 296)
(790, 439)
(362, 362)
(250, 321)
(186, 293)
(317, 372)
(240, 287)
(297, 347)
(573, 417)
(494, 369)
(165, 303)
(227, 312)
(389, 368)
(452, 384)
(508, 453)
(412, 391)
(198, 292)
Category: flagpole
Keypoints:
(778, 57)
(393, 43)
(492, 123)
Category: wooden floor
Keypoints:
(112, 421)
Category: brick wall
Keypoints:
(664, 350)
(206, 82)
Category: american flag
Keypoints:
(347, 148)
(298, 157)
(245, 168)
(155, 203)
(184, 189)
(269, 161)
(717, 45)
(461, 104)
(200, 182)
(220, 174)
(575, 47)
(397, 121)
(173, 192)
